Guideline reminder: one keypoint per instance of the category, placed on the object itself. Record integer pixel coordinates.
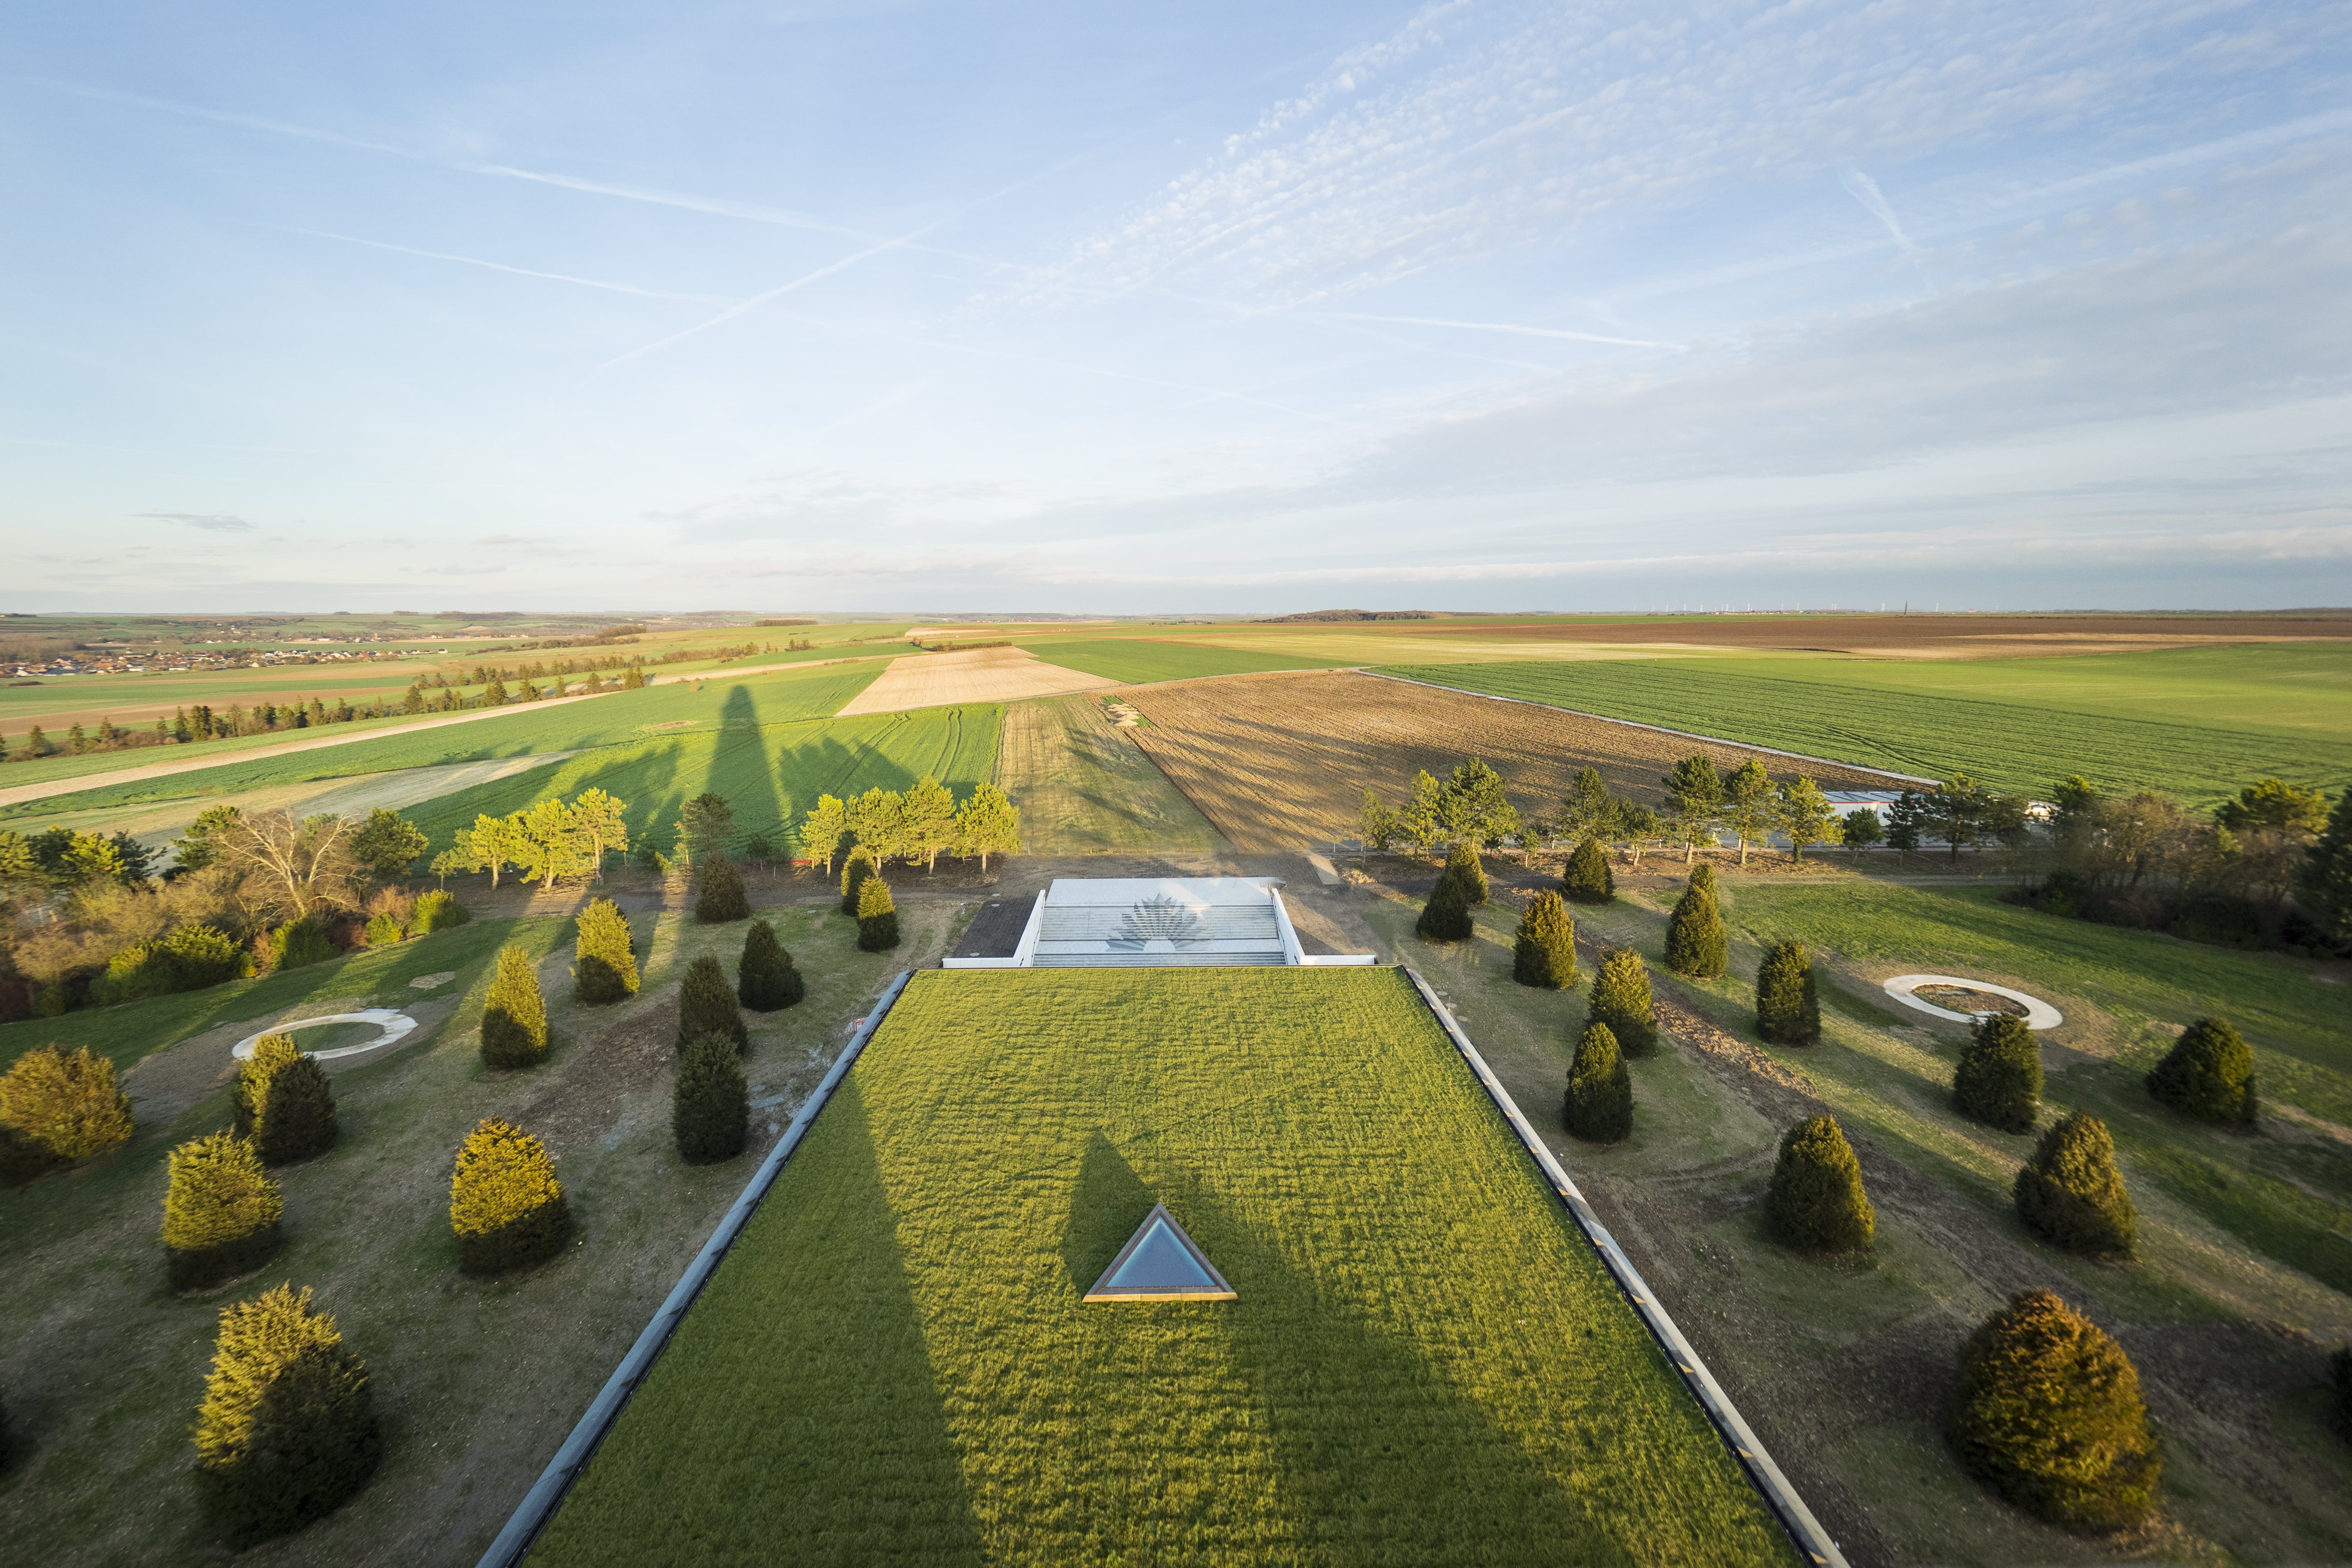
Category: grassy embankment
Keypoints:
(1084, 788)
(2197, 723)
(1425, 1361)
(476, 1383)
(1843, 1366)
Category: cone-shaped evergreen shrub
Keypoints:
(2072, 1193)
(60, 1110)
(295, 1118)
(855, 866)
(220, 1212)
(2048, 1412)
(1587, 879)
(710, 1108)
(1703, 875)
(2209, 1074)
(271, 1053)
(286, 1431)
(1697, 943)
(878, 916)
(514, 1016)
(1544, 953)
(721, 895)
(1446, 916)
(436, 910)
(766, 979)
(1816, 1203)
(1998, 1080)
(1620, 999)
(505, 1204)
(298, 943)
(1461, 861)
(1600, 1108)
(1788, 1008)
(604, 964)
(706, 1006)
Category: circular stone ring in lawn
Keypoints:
(2039, 1014)
(392, 1026)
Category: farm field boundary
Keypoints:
(981, 675)
(1085, 788)
(1140, 661)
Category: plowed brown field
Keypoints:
(1281, 761)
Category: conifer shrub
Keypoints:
(1816, 1203)
(1544, 952)
(1788, 1008)
(1587, 879)
(283, 1102)
(2048, 1412)
(1998, 1080)
(1697, 943)
(287, 1432)
(855, 866)
(2339, 1374)
(60, 1110)
(221, 1212)
(710, 1110)
(1462, 862)
(514, 1014)
(202, 956)
(706, 1006)
(2071, 1193)
(2209, 1074)
(1600, 1108)
(298, 943)
(765, 980)
(383, 930)
(505, 1204)
(878, 916)
(604, 963)
(1620, 999)
(438, 911)
(1446, 916)
(720, 896)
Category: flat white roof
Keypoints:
(1199, 892)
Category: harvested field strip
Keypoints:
(1281, 761)
(1134, 660)
(1084, 788)
(984, 675)
(521, 730)
(2162, 721)
(771, 773)
(1426, 1360)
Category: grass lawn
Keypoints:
(1084, 788)
(476, 1383)
(1139, 659)
(1426, 1360)
(2197, 724)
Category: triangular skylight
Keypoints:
(1159, 1263)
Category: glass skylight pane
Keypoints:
(1160, 1263)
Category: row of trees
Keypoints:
(923, 824)
(545, 840)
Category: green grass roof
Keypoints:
(1426, 1359)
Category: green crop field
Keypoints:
(2197, 724)
(672, 709)
(1426, 1360)
(772, 772)
(1136, 660)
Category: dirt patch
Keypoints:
(982, 675)
(1962, 999)
(620, 1065)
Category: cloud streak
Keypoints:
(211, 523)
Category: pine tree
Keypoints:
(221, 1212)
(1788, 1008)
(604, 962)
(765, 980)
(1446, 916)
(1544, 952)
(1463, 864)
(505, 1204)
(710, 1108)
(2209, 1074)
(1816, 1203)
(855, 868)
(62, 1110)
(1620, 999)
(287, 1432)
(2048, 1412)
(514, 1014)
(1599, 1107)
(721, 895)
(1697, 943)
(2072, 1193)
(878, 916)
(706, 1006)
(1587, 879)
(1999, 1080)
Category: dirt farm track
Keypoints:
(1281, 761)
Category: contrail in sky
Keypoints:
(1864, 189)
(1498, 327)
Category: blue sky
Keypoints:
(1210, 307)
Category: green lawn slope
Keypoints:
(1426, 1360)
